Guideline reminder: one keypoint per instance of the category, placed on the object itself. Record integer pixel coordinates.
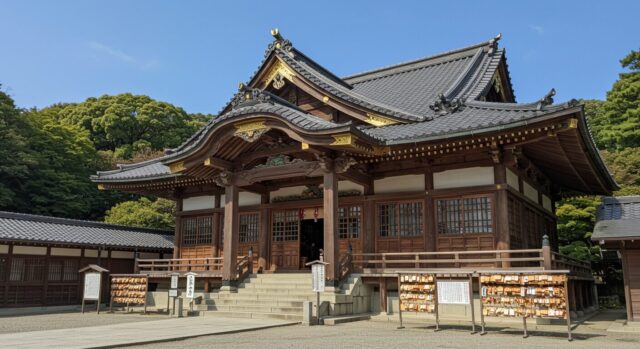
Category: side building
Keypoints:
(40, 256)
(618, 228)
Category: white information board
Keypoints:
(174, 281)
(92, 286)
(453, 292)
(191, 284)
(317, 272)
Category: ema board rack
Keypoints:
(540, 294)
(129, 289)
(418, 293)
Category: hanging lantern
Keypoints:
(316, 213)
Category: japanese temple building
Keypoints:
(432, 156)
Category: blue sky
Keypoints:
(194, 53)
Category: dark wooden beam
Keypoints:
(358, 177)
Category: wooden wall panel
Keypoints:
(466, 242)
(285, 255)
(633, 277)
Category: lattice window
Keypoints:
(27, 269)
(63, 269)
(286, 225)
(404, 219)
(349, 222)
(4, 266)
(62, 294)
(197, 230)
(248, 227)
(515, 222)
(472, 215)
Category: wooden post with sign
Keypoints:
(92, 284)
(191, 286)
(318, 281)
(173, 293)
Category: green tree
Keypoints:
(576, 219)
(127, 123)
(616, 124)
(143, 213)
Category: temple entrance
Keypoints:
(311, 240)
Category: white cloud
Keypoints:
(122, 56)
(536, 28)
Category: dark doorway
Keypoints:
(311, 239)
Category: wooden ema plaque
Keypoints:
(418, 293)
(129, 290)
(525, 295)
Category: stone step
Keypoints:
(330, 321)
(238, 314)
(251, 309)
(271, 302)
(267, 296)
(280, 286)
(276, 291)
(279, 281)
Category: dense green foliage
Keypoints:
(143, 213)
(616, 128)
(47, 155)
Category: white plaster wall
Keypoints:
(512, 180)
(94, 253)
(33, 250)
(69, 252)
(149, 255)
(546, 203)
(297, 190)
(198, 203)
(4, 248)
(246, 198)
(463, 177)
(530, 191)
(399, 184)
(349, 185)
(122, 254)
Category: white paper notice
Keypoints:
(92, 286)
(453, 292)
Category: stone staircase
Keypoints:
(262, 296)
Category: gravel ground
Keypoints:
(370, 334)
(27, 323)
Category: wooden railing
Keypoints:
(530, 258)
(209, 266)
(576, 266)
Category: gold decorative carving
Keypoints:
(177, 167)
(304, 146)
(325, 99)
(251, 131)
(573, 123)
(101, 186)
(378, 120)
(344, 139)
(278, 69)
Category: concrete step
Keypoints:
(267, 296)
(238, 314)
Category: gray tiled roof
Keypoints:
(475, 116)
(618, 218)
(404, 91)
(43, 229)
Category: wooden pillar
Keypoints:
(430, 233)
(625, 276)
(331, 243)
(215, 239)
(264, 236)
(177, 238)
(383, 295)
(502, 211)
(231, 236)
(369, 234)
(7, 275)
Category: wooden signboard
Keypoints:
(542, 294)
(129, 289)
(92, 284)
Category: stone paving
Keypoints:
(372, 334)
(110, 336)
(26, 323)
